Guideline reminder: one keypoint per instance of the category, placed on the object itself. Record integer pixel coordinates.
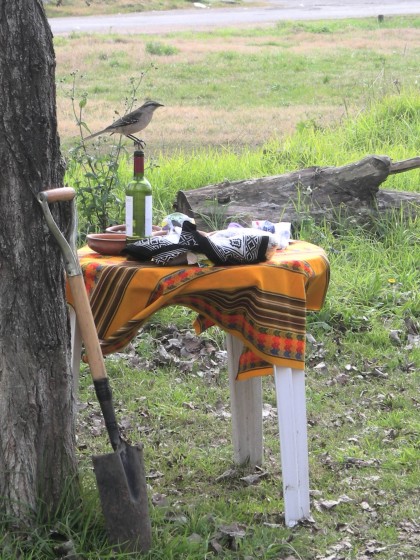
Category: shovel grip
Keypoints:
(57, 195)
(104, 394)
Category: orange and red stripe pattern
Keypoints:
(263, 304)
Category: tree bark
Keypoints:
(37, 436)
(332, 193)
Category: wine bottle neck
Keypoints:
(138, 164)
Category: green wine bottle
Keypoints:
(138, 202)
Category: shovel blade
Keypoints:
(121, 481)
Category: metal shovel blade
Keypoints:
(121, 481)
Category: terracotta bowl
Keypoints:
(106, 243)
(116, 229)
(121, 229)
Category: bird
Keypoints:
(132, 122)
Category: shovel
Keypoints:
(120, 475)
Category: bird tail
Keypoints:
(95, 134)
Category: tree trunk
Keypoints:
(37, 435)
(332, 193)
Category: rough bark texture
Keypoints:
(36, 391)
(320, 192)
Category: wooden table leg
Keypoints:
(291, 406)
(246, 409)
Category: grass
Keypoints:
(362, 414)
(284, 75)
(160, 49)
(362, 381)
(390, 127)
(55, 8)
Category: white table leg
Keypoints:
(291, 406)
(246, 409)
(76, 347)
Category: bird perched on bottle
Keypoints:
(133, 122)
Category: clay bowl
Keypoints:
(116, 229)
(106, 243)
(121, 229)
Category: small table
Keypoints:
(261, 307)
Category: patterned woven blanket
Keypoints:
(263, 304)
(245, 246)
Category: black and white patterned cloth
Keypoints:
(243, 247)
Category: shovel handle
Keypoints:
(87, 327)
(77, 285)
(57, 195)
(94, 353)
(83, 311)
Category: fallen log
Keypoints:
(331, 193)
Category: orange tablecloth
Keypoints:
(262, 304)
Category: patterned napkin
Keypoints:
(243, 247)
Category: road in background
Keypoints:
(243, 16)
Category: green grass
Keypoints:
(363, 426)
(362, 387)
(390, 127)
(284, 72)
(160, 49)
(270, 76)
(362, 405)
(54, 8)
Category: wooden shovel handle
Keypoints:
(77, 286)
(87, 327)
(58, 195)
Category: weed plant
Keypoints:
(94, 170)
